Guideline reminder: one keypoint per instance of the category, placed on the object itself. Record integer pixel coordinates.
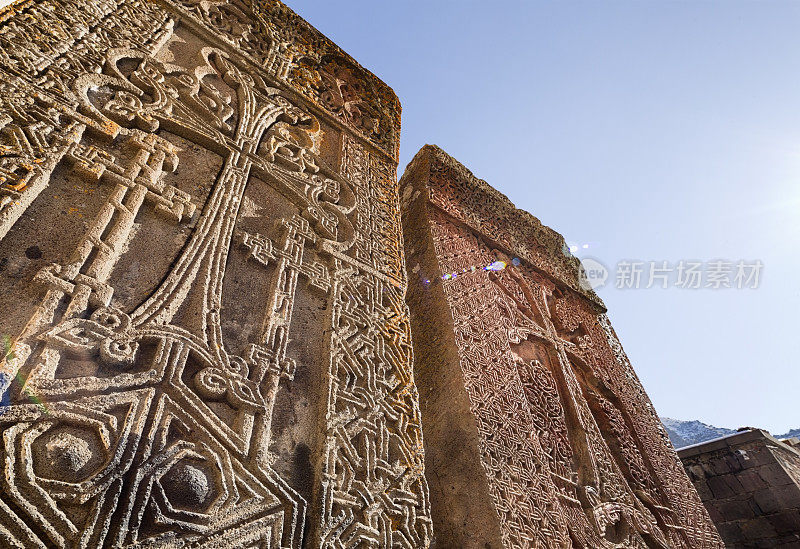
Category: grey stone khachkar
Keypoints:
(204, 311)
(207, 343)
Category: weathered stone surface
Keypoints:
(537, 431)
(205, 319)
(755, 487)
(202, 278)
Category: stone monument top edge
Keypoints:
(308, 42)
(478, 204)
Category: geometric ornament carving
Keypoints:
(199, 352)
(570, 449)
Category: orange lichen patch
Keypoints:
(8, 11)
(111, 128)
(18, 179)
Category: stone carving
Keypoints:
(204, 311)
(274, 37)
(207, 345)
(572, 451)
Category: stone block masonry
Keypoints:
(537, 431)
(750, 484)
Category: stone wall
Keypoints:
(537, 431)
(206, 341)
(750, 484)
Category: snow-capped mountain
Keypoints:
(792, 433)
(686, 433)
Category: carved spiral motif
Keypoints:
(118, 351)
(211, 383)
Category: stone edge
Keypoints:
(390, 107)
(525, 233)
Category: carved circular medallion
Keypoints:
(68, 454)
(188, 485)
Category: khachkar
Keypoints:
(207, 343)
(537, 431)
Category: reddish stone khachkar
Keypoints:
(537, 431)
(206, 342)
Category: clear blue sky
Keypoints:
(648, 130)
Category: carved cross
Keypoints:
(556, 339)
(84, 277)
(290, 264)
(268, 360)
(560, 330)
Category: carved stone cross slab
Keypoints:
(140, 404)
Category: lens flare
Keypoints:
(496, 266)
(493, 266)
(5, 381)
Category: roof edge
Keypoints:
(740, 437)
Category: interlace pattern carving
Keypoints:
(569, 441)
(145, 425)
(590, 462)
